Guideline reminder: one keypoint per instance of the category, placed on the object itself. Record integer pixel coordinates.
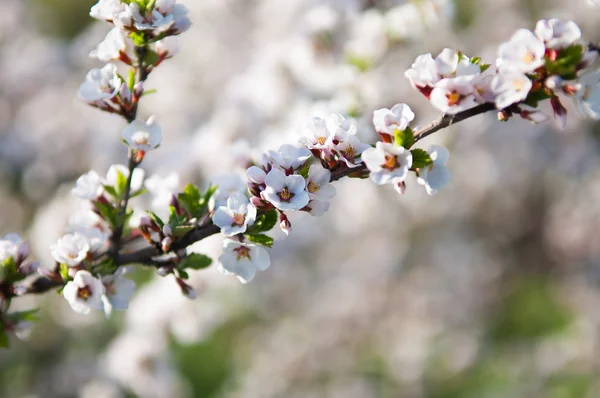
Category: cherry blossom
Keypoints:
(243, 259)
(435, 176)
(510, 88)
(523, 53)
(88, 186)
(71, 249)
(118, 291)
(285, 192)
(557, 34)
(143, 136)
(289, 157)
(388, 163)
(387, 121)
(454, 95)
(236, 217)
(100, 84)
(113, 47)
(84, 293)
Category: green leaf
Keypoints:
(138, 193)
(265, 222)
(195, 261)
(210, 191)
(138, 39)
(190, 200)
(183, 274)
(29, 315)
(110, 190)
(155, 218)
(121, 184)
(3, 339)
(261, 239)
(421, 158)
(404, 138)
(64, 271)
(107, 211)
(131, 79)
(151, 57)
(304, 170)
(148, 92)
(534, 97)
(566, 61)
(182, 230)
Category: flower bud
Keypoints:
(166, 244)
(554, 82)
(186, 289)
(285, 224)
(166, 230)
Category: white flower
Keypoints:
(162, 190)
(387, 121)
(454, 95)
(588, 94)
(137, 179)
(118, 291)
(100, 84)
(557, 34)
(13, 246)
(316, 208)
(236, 217)
(179, 12)
(243, 259)
(88, 186)
(449, 63)
(339, 127)
(436, 176)
(482, 86)
(317, 183)
(289, 157)
(388, 163)
(106, 9)
(71, 249)
(285, 192)
(227, 185)
(92, 227)
(523, 53)
(316, 134)
(350, 149)
(111, 47)
(423, 72)
(404, 21)
(84, 293)
(167, 47)
(143, 136)
(510, 88)
(426, 71)
(256, 175)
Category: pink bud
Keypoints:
(166, 244)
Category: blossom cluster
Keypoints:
(531, 67)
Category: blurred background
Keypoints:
(489, 289)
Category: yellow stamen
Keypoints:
(312, 187)
(238, 219)
(84, 293)
(391, 162)
(285, 194)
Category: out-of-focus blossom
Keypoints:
(143, 136)
(84, 293)
(557, 34)
(510, 88)
(236, 217)
(243, 259)
(435, 176)
(289, 157)
(107, 9)
(100, 84)
(388, 163)
(71, 249)
(13, 246)
(118, 291)
(285, 192)
(137, 179)
(167, 47)
(88, 186)
(227, 185)
(524, 53)
(112, 47)
(588, 94)
(453, 95)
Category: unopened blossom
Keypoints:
(510, 88)
(316, 134)
(534, 116)
(435, 176)
(350, 150)
(88, 186)
(84, 293)
(13, 246)
(112, 47)
(100, 84)
(453, 95)
(285, 192)
(106, 10)
(118, 291)
(71, 249)
(318, 183)
(587, 95)
(387, 121)
(523, 53)
(143, 136)
(137, 179)
(289, 157)
(243, 259)
(167, 47)
(557, 34)
(388, 163)
(236, 217)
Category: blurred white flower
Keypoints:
(436, 176)
(316, 135)
(118, 291)
(557, 34)
(454, 95)
(387, 121)
(88, 186)
(167, 47)
(388, 163)
(84, 293)
(100, 84)
(179, 12)
(112, 47)
(524, 52)
(227, 185)
(106, 9)
(143, 136)
(510, 88)
(289, 157)
(137, 179)
(404, 22)
(285, 192)
(71, 249)
(236, 217)
(423, 72)
(350, 149)
(588, 94)
(317, 208)
(256, 175)
(13, 246)
(243, 259)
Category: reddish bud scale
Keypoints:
(387, 138)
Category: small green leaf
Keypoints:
(138, 39)
(110, 190)
(195, 261)
(148, 92)
(363, 64)
(182, 230)
(151, 57)
(261, 239)
(421, 158)
(3, 339)
(131, 79)
(304, 170)
(566, 61)
(210, 191)
(404, 138)
(138, 193)
(155, 218)
(64, 271)
(190, 200)
(29, 315)
(183, 274)
(120, 185)
(534, 97)
(107, 211)
(265, 222)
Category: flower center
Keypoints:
(350, 153)
(242, 252)
(141, 138)
(238, 219)
(84, 292)
(285, 194)
(454, 98)
(529, 57)
(321, 140)
(312, 187)
(391, 162)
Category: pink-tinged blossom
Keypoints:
(243, 260)
(510, 88)
(100, 84)
(523, 53)
(435, 176)
(285, 192)
(167, 47)
(84, 293)
(350, 150)
(388, 163)
(557, 34)
(316, 135)
(71, 249)
(236, 217)
(143, 136)
(454, 95)
(387, 121)
(423, 74)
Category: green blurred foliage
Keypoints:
(60, 18)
